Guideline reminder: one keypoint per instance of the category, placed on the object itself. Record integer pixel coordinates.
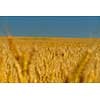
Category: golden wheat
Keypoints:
(46, 60)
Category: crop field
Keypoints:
(49, 60)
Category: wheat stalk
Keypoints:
(84, 61)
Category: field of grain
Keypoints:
(46, 60)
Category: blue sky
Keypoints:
(58, 26)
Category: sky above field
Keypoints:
(51, 26)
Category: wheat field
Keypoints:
(49, 60)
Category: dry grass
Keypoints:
(49, 60)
